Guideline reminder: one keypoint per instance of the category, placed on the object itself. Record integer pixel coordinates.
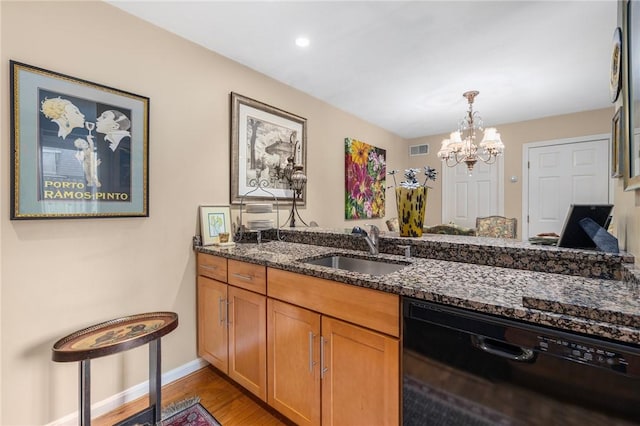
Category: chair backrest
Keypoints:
(496, 227)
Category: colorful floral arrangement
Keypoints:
(365, 180)
(411, 177)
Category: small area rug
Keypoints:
(187, 413)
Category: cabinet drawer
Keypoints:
(248, 276)
(373, 309)
(212, 266)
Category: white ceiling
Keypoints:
(404, 65)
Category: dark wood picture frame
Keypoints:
(79, 149)
(263, 137)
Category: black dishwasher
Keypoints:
(462, 367)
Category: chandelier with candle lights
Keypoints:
(461, 146)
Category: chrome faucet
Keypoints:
(371, 238)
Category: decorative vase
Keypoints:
(411, 204)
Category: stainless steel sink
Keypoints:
(354, 264)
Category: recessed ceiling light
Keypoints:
(302, 41)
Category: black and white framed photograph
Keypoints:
(264, 140)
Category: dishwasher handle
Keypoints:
(519, 353)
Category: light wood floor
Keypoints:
(229, 403)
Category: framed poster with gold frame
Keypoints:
(79, 149)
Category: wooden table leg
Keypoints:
(84, 416)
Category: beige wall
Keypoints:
(628, 217)
(61, 275)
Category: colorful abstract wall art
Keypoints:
(365, 170)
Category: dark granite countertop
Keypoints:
(599, 306)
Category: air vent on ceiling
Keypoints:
(418, 150)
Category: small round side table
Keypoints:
(115, 336)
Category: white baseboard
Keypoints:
(134, 392)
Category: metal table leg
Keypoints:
(111, 337)
(155, 379)
(84, 417)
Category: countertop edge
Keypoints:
(527, 303)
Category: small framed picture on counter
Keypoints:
(215, 225)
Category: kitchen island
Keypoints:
(581, 291)
(277, 322)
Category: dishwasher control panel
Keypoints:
(585, 354)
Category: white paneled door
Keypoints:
(561, 174)
(465, 197)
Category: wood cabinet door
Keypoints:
(293, 370)
(369, 308)
(248, 340)
(361, 381)
(212, 322)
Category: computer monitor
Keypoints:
(572, 235)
